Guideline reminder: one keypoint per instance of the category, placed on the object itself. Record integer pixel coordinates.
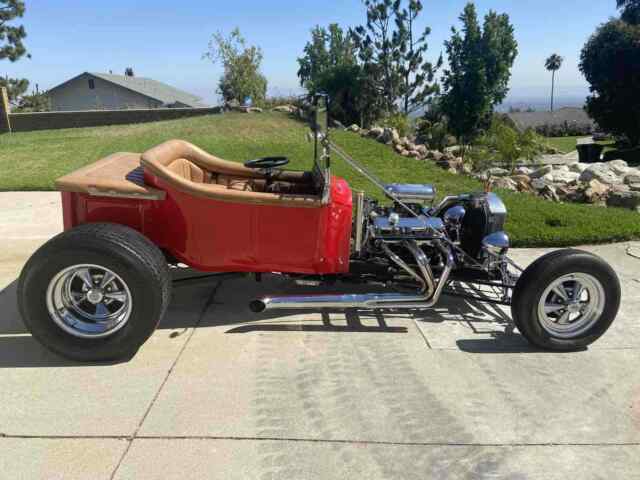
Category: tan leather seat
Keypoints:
(230, 181)
(187, 170)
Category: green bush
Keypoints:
(503, 146)
(400, 122)
(434, 134)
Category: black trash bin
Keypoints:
(589, 152)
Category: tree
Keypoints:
(553, 64)
(11, 37)
(610, 61)
(417, 74)
(36, 102)
(378, 46)
(328, 49)
(242, 78)
(16, 87)
(477, 78)
(11, 45)
(630, 11)
(329, 65)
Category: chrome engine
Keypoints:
(409, 245)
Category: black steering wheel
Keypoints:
(267, 163)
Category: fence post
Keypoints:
(5, 125)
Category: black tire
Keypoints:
(540, 275)
(124, 251)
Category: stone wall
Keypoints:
(24, 122)
(5, 126)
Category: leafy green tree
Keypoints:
(242, 77)
(16, 87)
(417, 74)
(12, 46)
(36, 102)
(630, 11)
(610, 61)
(329, 65)
(477, 78)
(553, 64)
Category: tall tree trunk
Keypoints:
(553, 86)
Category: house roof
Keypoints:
(146, 86)
(569, 115)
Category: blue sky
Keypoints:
(165, 40)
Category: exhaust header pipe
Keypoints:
(428, 298)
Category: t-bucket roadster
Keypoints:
(98, 290)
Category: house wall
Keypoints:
(76, 96)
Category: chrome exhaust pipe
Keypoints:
(426, 299)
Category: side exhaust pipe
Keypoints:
(426, 299)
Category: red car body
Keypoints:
(211, 235)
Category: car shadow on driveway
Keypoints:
(494, 329)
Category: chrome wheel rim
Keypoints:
(89, 301)
(571, 305)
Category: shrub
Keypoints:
(400, 122)
(503, 146)
(435, 135)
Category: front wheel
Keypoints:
(94, 293)
(566, 300)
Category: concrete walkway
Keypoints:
(221, 393)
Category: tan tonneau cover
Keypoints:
(118, 175)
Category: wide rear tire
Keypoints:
(95, 292)
(566, 300)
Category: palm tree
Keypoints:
(553, 64)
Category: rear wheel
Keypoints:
(94, 293)
(566, 300)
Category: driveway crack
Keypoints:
(131, 438)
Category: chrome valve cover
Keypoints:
(413, 193)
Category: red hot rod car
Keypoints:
(98, 290)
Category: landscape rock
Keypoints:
(634, 187)
(578, 167)
(523, 171)
(389, 136)
(549, 192)
(284, 109)
(630, 200)
(422, 149)
(600, 172)
(523, 183)
(541, 172)
(436, 156)
(338, 124)
(353, 128)
(375, 132)
(497, 172)
(504, 183)
(562, 176)
(619, 166)
(632, 178)
(538, 184)
(595, 192)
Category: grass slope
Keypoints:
(32, 161)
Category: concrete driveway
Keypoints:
(221, 393)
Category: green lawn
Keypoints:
(31, 161)
(564, 144)
(568, 144)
